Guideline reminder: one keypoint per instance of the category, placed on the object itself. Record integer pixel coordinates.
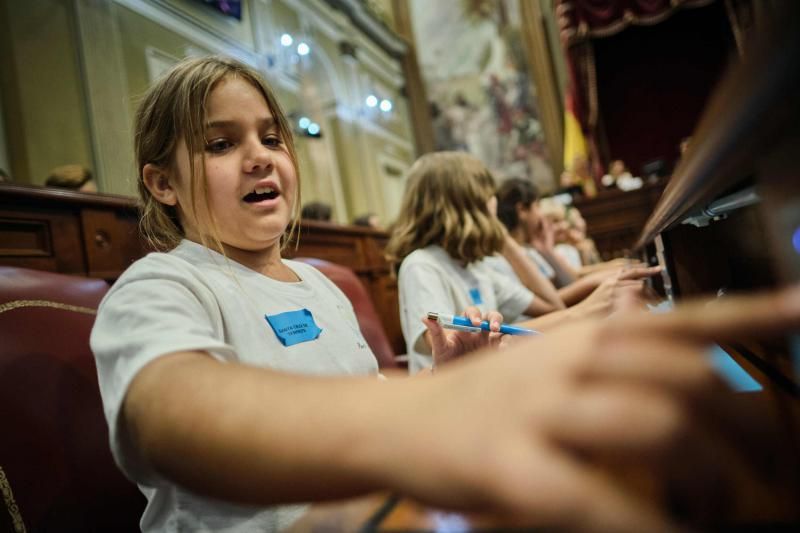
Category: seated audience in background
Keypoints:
(369, 220)
(577, 179)
(577, 235)
(317, 211)
(555, 213)
(572, 244)
(618, 176)
(4, 177)
(518, 210)
(446, 229)
(75, 177)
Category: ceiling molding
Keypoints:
(388, 40)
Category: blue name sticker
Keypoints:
(294, 327)
(475, 296)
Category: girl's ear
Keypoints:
(157, 182)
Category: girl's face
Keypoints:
(251, 179)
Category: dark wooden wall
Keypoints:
(615, 218)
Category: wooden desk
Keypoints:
(615, 218)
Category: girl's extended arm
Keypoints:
(544, 432)
(547, 299)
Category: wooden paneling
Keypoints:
(112, 241)
(67, 231)
(97, 235)
(40, 239)
(615, 218)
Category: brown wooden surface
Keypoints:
(615, 218)
(748, 139)
(754, 108)
(67, 231)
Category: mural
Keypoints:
(482, 98)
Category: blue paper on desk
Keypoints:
(733, 374)
(728, 369)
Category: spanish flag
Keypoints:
(574, 142)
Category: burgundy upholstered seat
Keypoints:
(54, 451)
(368, 319)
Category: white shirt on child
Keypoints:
(501, 265)
(430, 280)
(193, 298)
(570, 253)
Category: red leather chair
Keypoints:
(56, 470)
(368, 320)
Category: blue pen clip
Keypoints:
(462, 323)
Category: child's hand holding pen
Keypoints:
(447, 344)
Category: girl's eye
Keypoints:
(272, 141)
(219, 145)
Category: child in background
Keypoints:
(445, 240)
(517, 209)
(201, 350)
(445, 229)
(75, 177)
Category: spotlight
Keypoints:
(304, 122)
(386, 105)
(303, 49)
(372, 100)
(313, 129)
(286, 39)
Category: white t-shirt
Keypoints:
(195, 299)
(430, 280)
(499, 264)
(570, 253)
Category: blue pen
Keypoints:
(463, 323)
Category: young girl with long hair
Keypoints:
(236, 383)
(448, 241)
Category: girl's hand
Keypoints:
(447, 344)
(616, 290)
(612, 425)
(545, 239)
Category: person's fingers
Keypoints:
(636, 273)
(668, 364)
(473, 314)
(737, 317)
(496, 339)
(436, 336)
(495, 318)
(556, 490)
(617, 420)
(628, 301)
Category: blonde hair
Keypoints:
(445, 204)
(174, 107)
